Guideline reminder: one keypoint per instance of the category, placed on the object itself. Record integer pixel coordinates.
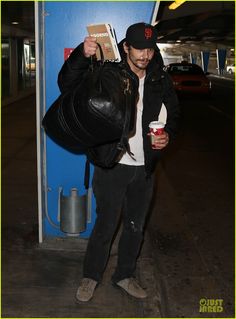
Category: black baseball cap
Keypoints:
(141, 36)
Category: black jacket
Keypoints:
(158, 89)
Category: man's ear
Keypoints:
(126, 48)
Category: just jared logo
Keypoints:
(211, 305)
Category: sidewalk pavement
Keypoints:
(230, 77)
(41, 281)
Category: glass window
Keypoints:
(27, 68)
(185, 69)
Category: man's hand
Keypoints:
(90, 46)
(160, 141)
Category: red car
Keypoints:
(188, 77)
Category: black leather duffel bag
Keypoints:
(100, 111)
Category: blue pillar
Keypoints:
(221, 58)
(205, 60)
(65, 27)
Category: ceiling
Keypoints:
(205, 23)
(20, 11)
(199, 24)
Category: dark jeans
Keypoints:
(120, 189)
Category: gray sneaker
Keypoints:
(86, 289)
(131, 286)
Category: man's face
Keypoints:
(138, 59)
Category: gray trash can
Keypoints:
(73, 212)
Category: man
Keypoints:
(126, 188)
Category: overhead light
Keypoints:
(175, 4)
(15, 22)
(178, 41)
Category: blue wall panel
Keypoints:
(65, 27)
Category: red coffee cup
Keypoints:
(156, 128)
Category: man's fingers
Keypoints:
(90, 46)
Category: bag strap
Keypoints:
(87, 164)
(124, 144)
(86, 174)
(93, 59)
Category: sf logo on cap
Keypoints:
(148, 33)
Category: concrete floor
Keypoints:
(192, 225)
(41, 280)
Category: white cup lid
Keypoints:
(156, 125)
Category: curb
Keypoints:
(222, 77)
